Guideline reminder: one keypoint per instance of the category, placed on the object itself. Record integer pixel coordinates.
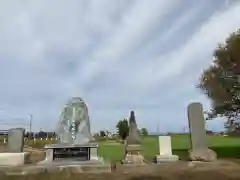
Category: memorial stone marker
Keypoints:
(133, 137)
(74, 147)
(15, 155)
(199, 151)
(165, 145)
(74, 123)
(132, 143)
(16, 139)
(165, 150)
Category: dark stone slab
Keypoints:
(134, 136)
(77, 152)
(72, 153)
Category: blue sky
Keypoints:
(118, 56)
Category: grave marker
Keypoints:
(15, 155)
(74, 147)
(16, 139)
(199, 151)
(165, 150)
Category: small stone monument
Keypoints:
(199, 151)
(165, 150)
(16, 140)
(132, 143)
(15, 155)
(74, 148)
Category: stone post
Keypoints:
(199, 150)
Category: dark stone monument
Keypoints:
(74, 147)
(16, 140)
(199, 151)
(132, 143)
(133, 137)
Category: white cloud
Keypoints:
(117, 55)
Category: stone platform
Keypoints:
(72, 168)
(92, 166)
(14, 159)
(80, 157)
(166, 158)
(133, 155)
(80, 152)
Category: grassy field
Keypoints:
(225, 147)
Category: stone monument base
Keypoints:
(91, 166)
(206, 155)
(132, 155)
(14, 159)
(83, 157)
(166, 158)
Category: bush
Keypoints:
(234, 134)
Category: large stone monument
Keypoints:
(74, 124)
(200, 150)
(132, 143)
(74, 147)
(15, 155)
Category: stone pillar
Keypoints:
(133, 144)
(94, 153)
(16, 140)
(199, 150)
(132, 154)
(165, 150)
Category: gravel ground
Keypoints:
(219, 170)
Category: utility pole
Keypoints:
(158, 129)
(30, 124)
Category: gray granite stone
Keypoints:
(197, 126)
(198, 137)
(134, 136)
(74, 123)
(133, 155)
(74, 150)
(16, 140)
(14, 159)
(72, 167)
(93, 166)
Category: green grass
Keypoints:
(225, 147)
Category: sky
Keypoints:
(118, 56)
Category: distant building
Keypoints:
(3, 132)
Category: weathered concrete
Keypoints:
(56, 167)
(14, 159)
(165, 150)
(16, 140)
(199, 151)
(133, 155)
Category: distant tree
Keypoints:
(41, 134)
(123, 128)
(144, 132)
(221, 81)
